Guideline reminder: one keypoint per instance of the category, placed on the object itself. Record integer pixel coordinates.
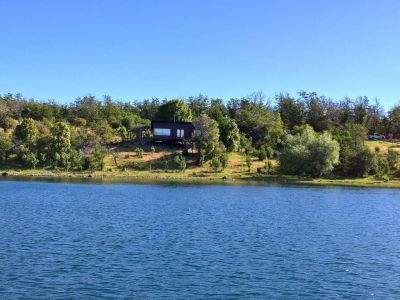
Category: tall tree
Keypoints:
(173, 111)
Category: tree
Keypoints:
(229, 133)
(309, 153)
(27, 132)
(5, 146)
(88, 108)
(224, 158)
(355, 157)
(96, 160)
(393, 159)
(249, 162)
(215, 164)
(60, 147)
(291, 111)
(206, 136)
(173, 111)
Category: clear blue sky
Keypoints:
(133, 50)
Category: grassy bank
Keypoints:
(124, 165)
(187, 178)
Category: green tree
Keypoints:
(5, 146)
(60, 147)
(224, 159)
(173, 111)
(215, 164)
(229, 133)
(206, 136)
(249, 162)
(27, 132)
(393, 159)
(96, 160)
(309, 153)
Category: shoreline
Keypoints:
(177, 178)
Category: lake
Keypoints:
(143, 241)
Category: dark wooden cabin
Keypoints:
(172, 131)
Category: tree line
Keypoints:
(308, 133)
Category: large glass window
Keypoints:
(180, 133)
(162, 131)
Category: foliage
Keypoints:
(229, 133)
(249, 162)
(95, 161)
(393, 159)
(174, 110)
(27, 132)
(60, 146)
(30, 160)
(178, 162)
(139, 152)
(309, 153)
(206, 137)
(153, 149)
(380, 166)
(5, 146)
(31, 134)
(224, 158)
(216, 164)
(262, 154)
(245, 144)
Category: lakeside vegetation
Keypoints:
(304, 139)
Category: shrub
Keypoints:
(179, 162)
(309, 153)
(262, 154)
(215, 164)
(139, 152)
(201, 158)
(224, 158)
(249, 162)
(30, 159)
(358, 162)
(96, 160)
(380, 166)
(153, 149)
(393, 159)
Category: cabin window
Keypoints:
(162, 131)
(180, 133)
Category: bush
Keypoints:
(262, 154)
(96, 160)
(179, 162)
(30, 160)
(224, 158)
(215, 164)
(270, 152)
(201, 159)
(153, 149)
(358, 162)
(249, 162)
(380, 166)
(309, 153)
(139, 152)
(393, 159)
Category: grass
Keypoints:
(384, 146)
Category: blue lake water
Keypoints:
(69, 240)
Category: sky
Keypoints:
(138, 49)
